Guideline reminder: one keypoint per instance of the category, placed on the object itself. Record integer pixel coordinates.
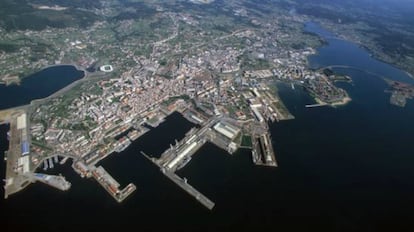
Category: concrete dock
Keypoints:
(58, 182)
(45, 165)
(189, 189)
(16, 164)
(174, 157)
(178, 155)
(183, 184)
(63, 161)
(51, 163)
(111, 185)
(316, 105)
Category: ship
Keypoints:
(45, 165)
(133, 135)
(184, 162)
(123, 143)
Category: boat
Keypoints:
(50, 163)
(63, 161)
(45, 166)
(123, 145)
(133, 135)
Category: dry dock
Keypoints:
(262, 152)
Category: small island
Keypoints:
(400, 92)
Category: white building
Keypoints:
(106, 68)
(227, 130)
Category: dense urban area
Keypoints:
(144, 61)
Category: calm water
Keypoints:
(341, 169)
(38, 85)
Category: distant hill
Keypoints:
(23, 14)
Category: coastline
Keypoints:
(17, 80)
(371, 52)
(7, 113)
(409, 74)
(344, 101)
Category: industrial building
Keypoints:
(22, 130)
(23, 164)
(257, 114)
(25, 148)
(227, 130)
(22, 122)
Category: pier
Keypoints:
(63, 161)
(217, 130)
(174, 158)
(45, 165)
(111, 185)
(51, 163)
(189, 189)
(58, 182)
(316, 105)
(182, 183)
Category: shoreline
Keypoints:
(57, 92)
(344, 101)
(7, 114)
(17, 80)
(374, 55)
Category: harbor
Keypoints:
(104, 179)
(217, 130)
(223, 132)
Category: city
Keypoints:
(223, 80)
